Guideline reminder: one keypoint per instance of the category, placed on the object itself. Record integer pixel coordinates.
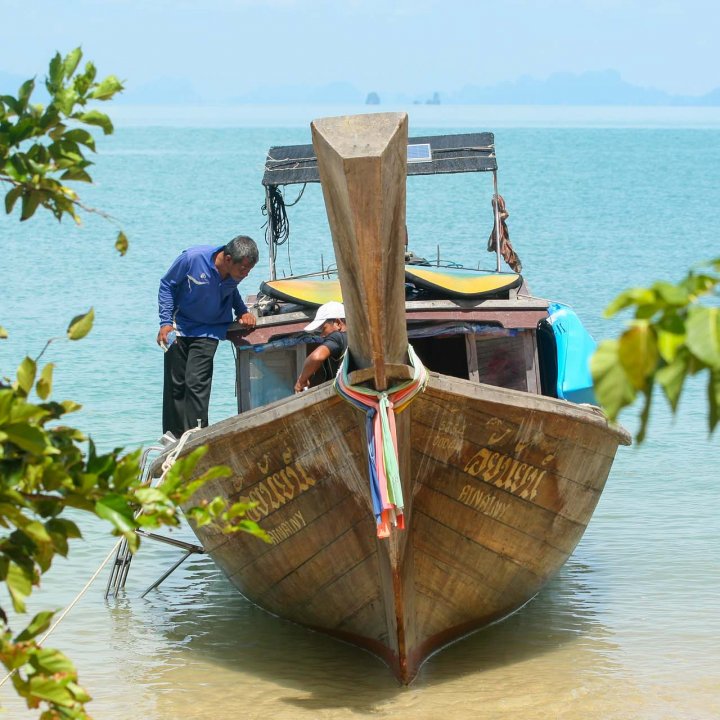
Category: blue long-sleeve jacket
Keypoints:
(195, 298)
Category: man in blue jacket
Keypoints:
(197, 298)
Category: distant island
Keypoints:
(604, 87)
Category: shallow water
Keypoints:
(628, 629)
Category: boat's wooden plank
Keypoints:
(516, 475)
(486, 499)
(368, 616)
(349, 593)
(480, 580)
(332, 560)
(535, 555)
(560, 442)
(362, 161)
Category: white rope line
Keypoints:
(172, 456)
(71, 605)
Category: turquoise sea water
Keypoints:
(599, 200)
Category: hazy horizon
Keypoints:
(234, 48)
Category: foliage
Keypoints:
(675, 333)
(43, 473)
(41, 148)
(45, 470)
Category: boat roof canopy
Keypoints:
(428, 155)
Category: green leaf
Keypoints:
(703, 334)
(25, 91)
(94, 117)
(81, 325)
(30, 202)
(6, 404)
(116, 510)
(671, 336)
(672, 378)
(26, 374)
(28, 438)
(634, 296)
(149, 495)
(44, 385)
(71, 62)
(11, 198)
(714, 398)
(55, 73)
(672, 295)
(78, 135)
(38, 624)
(121, 244)
(612, 387)
(19, 584)
(637, 352)
(107, 88)
(53, 662)
(78, 693)
(77, 174)
(37, 532)
(54, 691)
(70, 406)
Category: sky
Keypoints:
(225, 48)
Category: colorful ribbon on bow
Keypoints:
(380, 408)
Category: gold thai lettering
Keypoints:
(506, 472)
(500, 430)
(285, 529)
(275, 490)
(484, 502)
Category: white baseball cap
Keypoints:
(329, 311)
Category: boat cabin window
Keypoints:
(508, 361)
(267, 376)
(446, 355)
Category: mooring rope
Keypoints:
(380, 408)
(169, 461)
(71, 605)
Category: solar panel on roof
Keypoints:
(419, 153)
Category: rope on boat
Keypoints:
(169, 461)
(380, 408)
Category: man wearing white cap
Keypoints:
(330, 320)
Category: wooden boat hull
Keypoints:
(499, 486)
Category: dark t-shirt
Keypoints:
(336, 343)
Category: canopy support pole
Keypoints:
(496, 208)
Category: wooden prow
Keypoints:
(362, 161)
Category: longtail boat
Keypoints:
(451, 467)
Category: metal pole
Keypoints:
(171, 570)
(271, 232)
(497, 218)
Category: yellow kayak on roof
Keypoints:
(460, 282)
(449, 282)
(306, 291)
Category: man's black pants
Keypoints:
(188, 379)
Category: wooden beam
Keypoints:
(362, 161)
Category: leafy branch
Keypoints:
(44, 471)
(675, 333)
(46, 466)
(42, 148)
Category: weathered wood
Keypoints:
(362, 161)
(392, 372)
(479, 541)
